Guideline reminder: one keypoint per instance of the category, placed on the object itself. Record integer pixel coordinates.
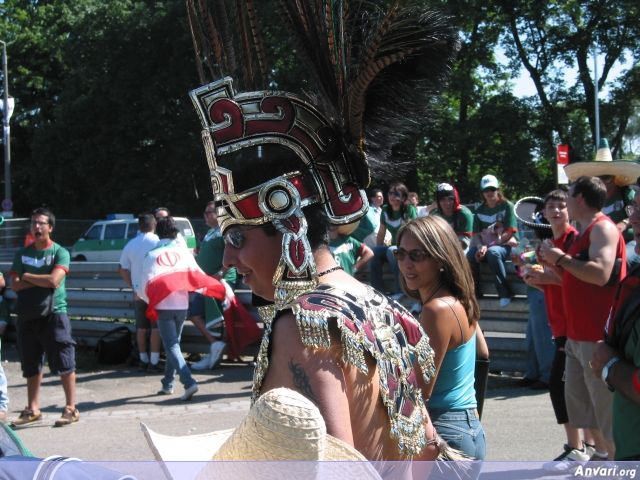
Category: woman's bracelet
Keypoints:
(557, 264)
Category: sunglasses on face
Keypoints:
(490, 189)
(236, 237)
(395, 194)
(415, 255)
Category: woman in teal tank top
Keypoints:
(434, 271)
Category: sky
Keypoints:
(523, 85)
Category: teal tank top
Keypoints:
(454, 388)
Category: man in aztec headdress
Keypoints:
(284, 167)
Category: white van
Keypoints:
(105, 239)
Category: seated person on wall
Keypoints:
(414, 199)
(494, 233)
(393, 216)
(460, 218)
(351, 255)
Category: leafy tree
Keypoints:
(547, 38)
(113, 128)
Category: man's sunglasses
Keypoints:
(236, 237)
(415, 255)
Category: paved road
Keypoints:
(519, 423)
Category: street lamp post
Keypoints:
(7, 205)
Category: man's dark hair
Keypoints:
(557, 195)
(375, 192)
(592, 190)
(166, 228)
(160, 209)
(146, 222)
(47, 213)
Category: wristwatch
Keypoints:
(605, 371)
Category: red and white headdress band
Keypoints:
(236, 121)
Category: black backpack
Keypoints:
(115, 346)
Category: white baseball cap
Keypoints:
(489, 181)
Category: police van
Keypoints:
(105, 239)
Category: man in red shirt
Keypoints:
(591, 268)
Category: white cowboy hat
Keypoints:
(281, 425)
(625, 172)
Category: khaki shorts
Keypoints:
(589, 401)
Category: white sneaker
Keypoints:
(504, 302)
(589, 449)
(189, 392)
(567, 460)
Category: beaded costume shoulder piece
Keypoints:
(369, 325)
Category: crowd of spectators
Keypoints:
(586, 261)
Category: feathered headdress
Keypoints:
(373, 67)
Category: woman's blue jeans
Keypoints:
(170, 323)
(540, 346)
(462, 430)
(495, 257)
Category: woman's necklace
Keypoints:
(432, 295)
(329, 270)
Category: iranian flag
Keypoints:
(169, 268)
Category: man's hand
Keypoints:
(549, 254)
(601, 355)
(481, 252)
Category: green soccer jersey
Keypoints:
(211, 253)
(502, 213)
(461, 221)
(346, 251)
(393, 220)
(42, 262)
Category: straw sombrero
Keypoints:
(281, 425)
(625, 171)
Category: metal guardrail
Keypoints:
(99, 300)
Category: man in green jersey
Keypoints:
(44, 264)
(206, 313)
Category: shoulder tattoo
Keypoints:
(301, 381)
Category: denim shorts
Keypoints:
(462, 430)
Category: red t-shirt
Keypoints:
(553, 293)
(587, 305)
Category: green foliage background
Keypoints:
(103, 122)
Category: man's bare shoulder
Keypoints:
(604, 232)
